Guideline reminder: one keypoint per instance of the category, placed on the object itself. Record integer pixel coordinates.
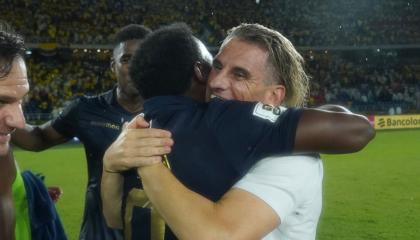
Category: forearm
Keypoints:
(332, 132)
(334, 108)
(111, 193)
(189, 215)
(37, 138)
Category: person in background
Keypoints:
(26, 209)
(96, 121)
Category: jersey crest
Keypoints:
(268, 112)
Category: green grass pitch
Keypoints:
(370, 195)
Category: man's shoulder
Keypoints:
(82, 106)
(218, 108)
(92, 101)
(257, 110)
(104, 98)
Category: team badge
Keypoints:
(268, 112)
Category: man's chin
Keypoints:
(4, 149)
(4, 138)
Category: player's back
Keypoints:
(215, 144)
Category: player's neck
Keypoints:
(132, 103)
(197, 91)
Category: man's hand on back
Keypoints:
(137, 146)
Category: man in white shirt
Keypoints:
(280, 196)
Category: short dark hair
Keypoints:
(131, 32)
(12, 45)
(164, 64)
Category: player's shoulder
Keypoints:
(268, 112)
(84, 103)
(222, 107)
(256, 110)
(104, 98)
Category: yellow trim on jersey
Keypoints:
(137, 198)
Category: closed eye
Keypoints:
(241, 74)
(125, 59)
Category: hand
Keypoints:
(137, 146)
(55, 193)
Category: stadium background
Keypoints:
(364, 54)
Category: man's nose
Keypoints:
(15, 117)
(218, 81)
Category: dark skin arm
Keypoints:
(37, 138)
(225, 219)
(332, 129)
(7, 211)
(319, 130)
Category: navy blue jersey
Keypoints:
(45, 222)
(215, 144)
(96, 121)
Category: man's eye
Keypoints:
(125, 60)
(2, 103)
(240, 75)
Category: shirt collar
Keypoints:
(111, 97)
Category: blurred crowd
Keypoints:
(57, 79)
(363, 81)
(306, 23)
(366, 82)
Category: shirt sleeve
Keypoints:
(280, 181)
(251, 131)
(67, 121)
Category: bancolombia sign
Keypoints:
(397, 122)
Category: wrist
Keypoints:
(111, 171)
(108, 169)
(150, 169)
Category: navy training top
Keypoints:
(216, 143)
(97, 122)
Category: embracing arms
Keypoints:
(192, 216)
(332, 129)
(132, 148)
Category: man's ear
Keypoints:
(112, 64)
(275, 95)
(200, 72)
